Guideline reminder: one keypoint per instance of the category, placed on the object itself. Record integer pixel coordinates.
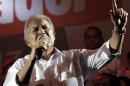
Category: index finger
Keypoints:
(114, 5)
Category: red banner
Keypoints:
(13, 13)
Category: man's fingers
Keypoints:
(114, 5)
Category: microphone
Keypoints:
(39, 52)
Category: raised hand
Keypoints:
(118, 17)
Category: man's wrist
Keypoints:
(120, 31)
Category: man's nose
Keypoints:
(41, 31)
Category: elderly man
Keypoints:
(47, 66)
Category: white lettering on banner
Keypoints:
(64, 6)
(22, 12)
(61, 9)
(6, 10)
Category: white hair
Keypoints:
(26, 29)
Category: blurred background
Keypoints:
(70, 18)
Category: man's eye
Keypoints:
(44, 27)
(35, 29)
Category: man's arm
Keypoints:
(119, 19)
(102, 56)
(23, 76)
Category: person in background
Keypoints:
(93, 38)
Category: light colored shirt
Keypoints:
(66, 68)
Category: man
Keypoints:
(93, 38)
(47, 66)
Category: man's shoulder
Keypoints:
(20, 61)
(23, 58)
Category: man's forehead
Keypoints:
(39, 21)
(91, 32)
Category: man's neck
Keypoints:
(47, 53)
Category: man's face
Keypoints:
(40, 34)
(92, 39)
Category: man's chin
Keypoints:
(41, 48)
(44, 47)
